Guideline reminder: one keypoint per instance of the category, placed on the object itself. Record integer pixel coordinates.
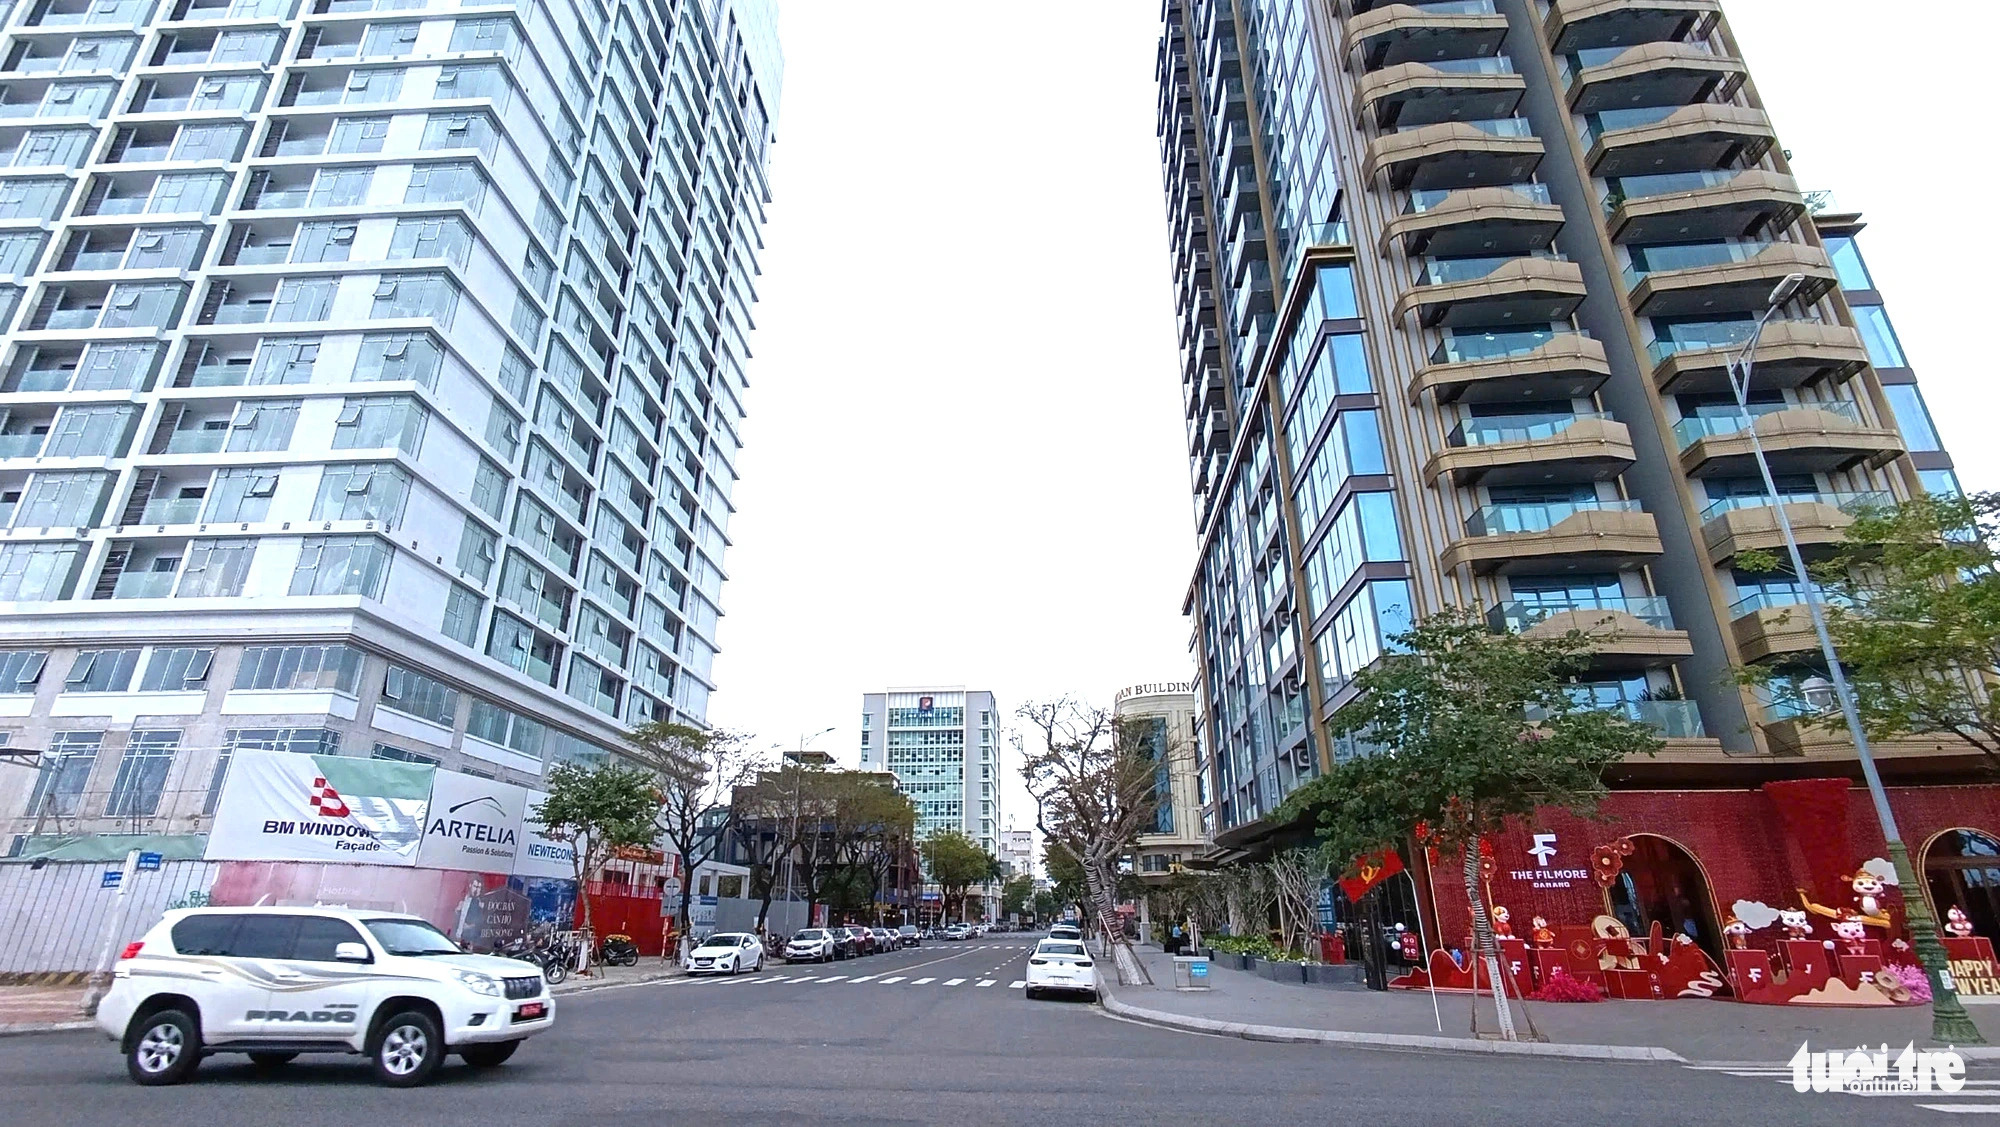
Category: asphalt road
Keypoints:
(755, 1050)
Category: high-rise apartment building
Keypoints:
(1458, 283)
(943, 746)
(372, 379)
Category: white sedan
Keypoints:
(1061, 965)
(726, 952)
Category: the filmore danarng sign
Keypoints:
(1153, 689)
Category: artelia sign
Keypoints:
(277, 806)
(473, 824)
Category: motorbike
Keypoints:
(618, 950)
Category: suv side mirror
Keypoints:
(352, 953)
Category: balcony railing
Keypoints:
(1444, 271)
(1845, 502)
(1514, 616)
(1499, 520)
(1610, 121)
(1779, 598)
(172, 510)
(1494, 346)
(1497, 126)
(21, 445)
(1666, 184)
(1701, 338)
(1424, 200)
(1690, 431)
(144, 585)
(197, 441)
(1515, 428)
(1674, 719)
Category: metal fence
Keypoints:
(55, 917)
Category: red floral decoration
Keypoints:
(1488, 863)
(1608, 860)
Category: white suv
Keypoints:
(277, 982)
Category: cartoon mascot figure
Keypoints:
(1736, 933)
(1794, 921)
(1868, 890)
(1541, 933)
(1955, 923)
(1503, 926)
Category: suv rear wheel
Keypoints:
(408, 1050)
(166, 1047)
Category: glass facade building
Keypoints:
(1457, 282)
(413, 330)
(943, 747)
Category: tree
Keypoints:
(697, 771)
(956, 863)
(774, 814)
(1095, 784)
(598, 811)
(1047, 904)
(1015, 895)
(872, 827)
(1912, 602)
(1473, 728)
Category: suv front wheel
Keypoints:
(166, 1047)
(408, 1050)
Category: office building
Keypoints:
(1458, 283)
(372, 378)
(943, 747)
(1017, 852)
(1166, 711)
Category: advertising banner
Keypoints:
(277, 806)
(540, 855)
(474, 824)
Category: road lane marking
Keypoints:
(1966, 1109)
(922, 981)
(1017, 984)
(806, 978)
(893, 979)
(986, 982)
(954, 982)
(833, 978)
(864, 978)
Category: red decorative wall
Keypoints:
(1737, 837)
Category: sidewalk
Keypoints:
(1244, 1005)
(41, 1009)
(604, 978)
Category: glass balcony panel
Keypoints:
(1441, 271)
(1493, 346)
(1845, 502)
(1424, 200)
(1499, 520)
(1515, 616)
(144, 585)
(1516, 428)
(21, 445)
(1689, 431)
(172, 510)
(197, 441)
(71, 319)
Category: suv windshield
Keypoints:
(410, 937)
(722, 941)
(907, 929)
(809, 936)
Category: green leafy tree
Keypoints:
(956, 863)
(1474, 727)
(598, 811)
(696, 771)
(1015, 896)
(1047, 904)
(1913, 606)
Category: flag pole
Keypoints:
(1430, 975)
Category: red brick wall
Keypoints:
(1736, 836)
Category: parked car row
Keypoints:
(826, 944)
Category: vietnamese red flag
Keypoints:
(1369, 872)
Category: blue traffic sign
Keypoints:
(149, 862)
(112, 878)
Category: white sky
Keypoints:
(965, 458)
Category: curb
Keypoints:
(1389, 1041)
(593, 987)
(23, 1029)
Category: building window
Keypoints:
(102, 671)
(462, 608)
(1884, 350)
(1912, 417)
(341, 565)
(304, 668)
(403, 755)
(423, 697)
(142, 774)
(65, 769)
(177, 670)
(21, 670)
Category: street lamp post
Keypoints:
(1950, 1024)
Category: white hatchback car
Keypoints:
(726, 952)
(1062, 965)
(1066, 931)
(277, 982)
(813, 945)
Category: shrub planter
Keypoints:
(1237, 961)
(1343, 974)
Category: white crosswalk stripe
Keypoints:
(863, 978)
(986, 982)
(892, 979)
(802, 978)
(1017, 984)
(833, 978)
(922, 981)
(954, 982)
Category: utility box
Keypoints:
(1190, 972)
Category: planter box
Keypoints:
(1344, 974)
(1237, 962)
(1279, 970)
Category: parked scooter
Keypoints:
(618, 950)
